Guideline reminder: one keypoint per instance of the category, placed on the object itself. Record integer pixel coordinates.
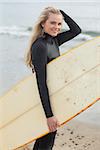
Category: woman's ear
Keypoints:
(42, 25)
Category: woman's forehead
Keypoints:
(55, 17)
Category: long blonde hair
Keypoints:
(38, 31)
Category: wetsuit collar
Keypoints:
(48, 37)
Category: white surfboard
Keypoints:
(74, 85)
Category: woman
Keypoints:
(44, 47)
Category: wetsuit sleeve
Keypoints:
(71, 33)
(39, 62)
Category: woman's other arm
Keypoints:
(73, 31)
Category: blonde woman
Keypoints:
(44, 47)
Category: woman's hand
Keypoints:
(52, 123)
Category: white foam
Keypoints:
(83, 37)
(14, 30)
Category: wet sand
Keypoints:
(75, 135)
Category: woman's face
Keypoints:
(53, 24)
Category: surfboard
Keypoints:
(74, 85)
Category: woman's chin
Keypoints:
(54, 34)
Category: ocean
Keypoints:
(16, 22)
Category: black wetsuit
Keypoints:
(44, 50)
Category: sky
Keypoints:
(67, 1)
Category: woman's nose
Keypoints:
(56, 26)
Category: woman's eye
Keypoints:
(53, 23)
(59, 24)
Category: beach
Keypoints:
(75, 135)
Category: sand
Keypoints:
(75, 135)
